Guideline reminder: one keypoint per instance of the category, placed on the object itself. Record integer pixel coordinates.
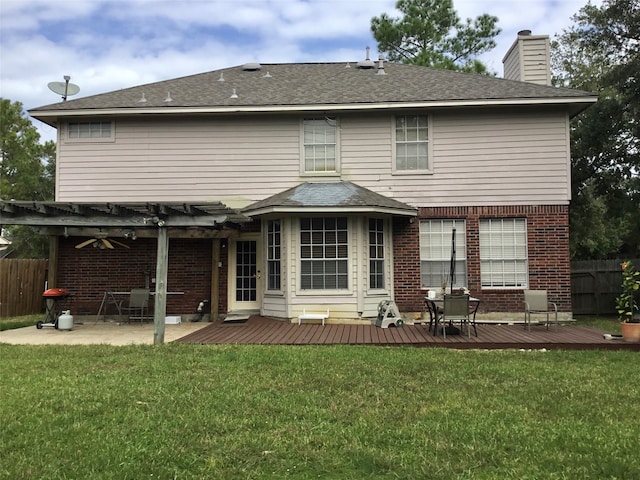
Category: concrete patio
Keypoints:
(95, 333)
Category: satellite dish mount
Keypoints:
(64, 88)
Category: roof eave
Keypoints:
(325, 210)
(49, 116)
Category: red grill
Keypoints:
(51, 298)
(56, 293)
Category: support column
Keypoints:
(162, 268)
(215, 279)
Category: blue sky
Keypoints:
(106, 45)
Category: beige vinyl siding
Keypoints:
(492, 159)
(189, 160)
(528, 60)
(511, 65)
(480, 157)
(535, 61)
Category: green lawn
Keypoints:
(19, 322)
(182, 411)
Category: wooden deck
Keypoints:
(268, 331)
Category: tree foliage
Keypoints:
(430, 33)
(601, 53)
(27, 172)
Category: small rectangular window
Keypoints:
(412, 143)
(320, 145)
(90, 130)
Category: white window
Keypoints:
(90, 131)
(412, 143)
(438, 243)
(273, 255)
(503, 253)
(320, 145)
(324, 253)
(376, 253)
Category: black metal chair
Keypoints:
(432, 310)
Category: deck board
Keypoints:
(264, 330)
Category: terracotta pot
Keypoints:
(631, 332)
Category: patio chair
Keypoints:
(138, 303)
(456, 309)
(433, 312)
(536, 302)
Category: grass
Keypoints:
(19, 322)
(609, 324)
(182, 411)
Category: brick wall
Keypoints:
(89, 272)
(548, 250)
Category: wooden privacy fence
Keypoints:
(595, 284)
(22, 282)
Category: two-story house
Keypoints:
(274, 188)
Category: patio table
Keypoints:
(438, 304)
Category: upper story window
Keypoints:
(412, 143)
(437, 244)
(90, 131)
(320, 140)
(503, 253)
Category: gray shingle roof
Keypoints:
(345, 196)
(308, 84)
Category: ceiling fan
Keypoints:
(101, 243)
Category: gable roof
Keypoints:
(315, 86)
(339, 197)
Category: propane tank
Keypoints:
(65, 321)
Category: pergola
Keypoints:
(161, 220)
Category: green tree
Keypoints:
(430, 33)
(27, 172)
(601, 53)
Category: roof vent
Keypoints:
(221, 79)
(524, 33)
(367, 63)
(251, 67)
(381, 66)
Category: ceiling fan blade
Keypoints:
(120, 243)
(85, 243)
(107, 243)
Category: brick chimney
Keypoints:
(528, 59)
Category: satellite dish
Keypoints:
(64, 88)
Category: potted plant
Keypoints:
(627, 305)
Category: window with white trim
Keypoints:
(90, 130)
(503, 253)
(273, 255)
(437, 244)
(324, 253)
(412, 143)
(320, 141)
(376, 253)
